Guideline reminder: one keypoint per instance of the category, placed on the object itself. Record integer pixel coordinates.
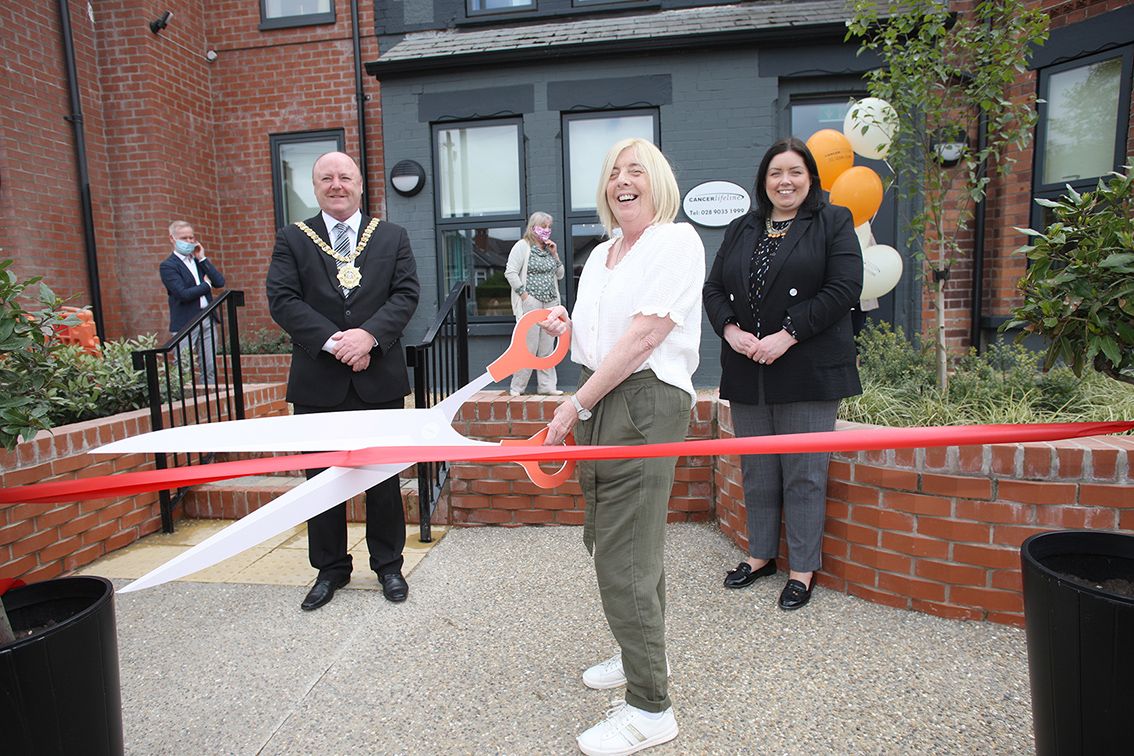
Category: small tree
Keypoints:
(1079, 288)
(942, 74)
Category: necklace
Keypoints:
(776, 229)
(349, 276)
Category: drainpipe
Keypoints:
(76, 121)
(976, 307)
(360, 97)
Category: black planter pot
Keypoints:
(1080, 641)
(59, 688)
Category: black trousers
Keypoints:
(385, 518)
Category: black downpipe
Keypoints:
(360, 96)
(76, 121)
(976, 307)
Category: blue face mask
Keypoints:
(184, 247)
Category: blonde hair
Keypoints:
(663, 184)
(178, 224)
(538, 218)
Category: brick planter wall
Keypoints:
(265, 368)
(501, 494)
(41, 541)
(939, 530)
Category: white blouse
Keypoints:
(662, 275)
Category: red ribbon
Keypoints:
(830, 441)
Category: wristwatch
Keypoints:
(584, 413)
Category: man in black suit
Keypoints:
(344, 287)
(189, 279)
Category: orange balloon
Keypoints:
(833, 155)
(859, 190)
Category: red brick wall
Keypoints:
(939, 530)
(275, 82)
(41, 541)
(40, 218)
(169, 136)
(501, 494)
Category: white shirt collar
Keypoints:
(353, 221)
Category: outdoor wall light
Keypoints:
(408, 178)
(950, 148)
(161, 22)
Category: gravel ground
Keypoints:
(485, 657)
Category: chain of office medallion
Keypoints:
(348, 258)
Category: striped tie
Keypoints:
(342, 248)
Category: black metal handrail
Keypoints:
(440, 365)
(177, 397)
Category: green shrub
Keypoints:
(86, 386)
(26, 350)
(44, 382)
(264, 341)
(1003, 385)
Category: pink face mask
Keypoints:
(542, 233)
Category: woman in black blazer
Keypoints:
(779, 295)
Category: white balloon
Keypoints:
(870, 125)
(881, 270)
(865, 237)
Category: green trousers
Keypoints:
(627, 501)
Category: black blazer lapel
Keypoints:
(330, 267)
(746, 243)
(795, 232)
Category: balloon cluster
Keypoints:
(868, 129)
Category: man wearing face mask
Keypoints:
(189, 279)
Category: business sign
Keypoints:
(716, 203)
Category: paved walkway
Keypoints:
(485, 657)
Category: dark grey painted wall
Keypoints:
(723, 115)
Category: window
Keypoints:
(293, 158)
(477, 7)
(587, 137)
(480, 208)
(1083, 121)
(281, 14)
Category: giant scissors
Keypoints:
(333, 431)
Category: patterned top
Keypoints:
(542, 282)
(761, 260)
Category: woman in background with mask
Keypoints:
(533, 271)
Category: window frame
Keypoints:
(571, 217)
(288, 22)
(443, 225)
(275, 141)
(1044, 75)
(471, 12)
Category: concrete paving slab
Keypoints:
(486, 654)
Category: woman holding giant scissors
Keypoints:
(635, 331)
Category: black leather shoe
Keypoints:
(321, 593)
(744, 576)
(796, 594)
(394, 586)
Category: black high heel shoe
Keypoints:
(795, 594)
(744, 576)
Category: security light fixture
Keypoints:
(407, 177)
(161, 22)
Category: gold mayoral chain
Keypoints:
(349, 276)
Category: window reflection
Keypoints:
(478, 255)
(589, 139)
(1081, 120)
(479, 171)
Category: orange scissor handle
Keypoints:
(516, 356)
(531, 466)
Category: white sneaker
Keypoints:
(553, 392)
(609, 673)
(627, 729)
(514, 392)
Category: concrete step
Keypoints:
(233, 499)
